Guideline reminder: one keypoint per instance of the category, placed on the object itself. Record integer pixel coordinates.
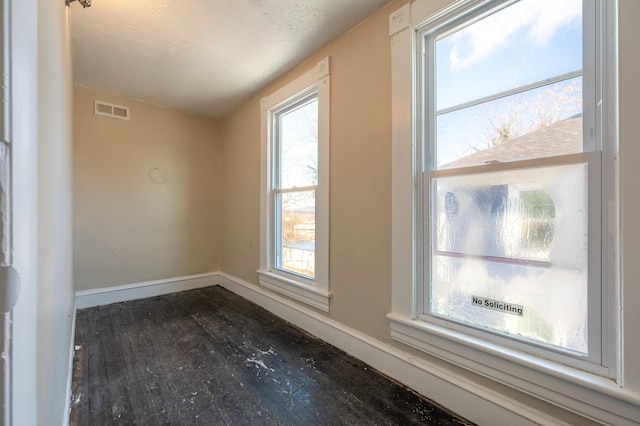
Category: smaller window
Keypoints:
(295, 185)
(295, 199)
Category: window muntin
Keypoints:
(295, 184)
(492, 236)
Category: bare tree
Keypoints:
(520, 114)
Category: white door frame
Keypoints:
(18, 214)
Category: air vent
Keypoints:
(111, 110)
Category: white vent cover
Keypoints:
(111, 110)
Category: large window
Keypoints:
(506, 164)
(503, 185)
(295, 136)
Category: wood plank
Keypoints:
(207, 356)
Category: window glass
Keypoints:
(542, 122)
(504, 76)
(523, 43)
(296, 247)
(297, 145)
(516, 238)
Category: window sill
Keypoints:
(579, 391)
(318, 298)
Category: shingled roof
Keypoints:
(560, 138)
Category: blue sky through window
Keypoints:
(527, 42)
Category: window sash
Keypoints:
(594, 356)
(427, 114)
(279, 240)
(298, 102)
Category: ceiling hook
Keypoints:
(84, 3)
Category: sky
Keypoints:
(527, 42)
(299, 146)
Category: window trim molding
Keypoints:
(314, 292)
(589, 394)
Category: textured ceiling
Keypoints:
(202, 56)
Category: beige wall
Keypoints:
(360, 212)
(629, 179)
(127, 228)
(240, 213)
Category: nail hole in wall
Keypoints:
(158, 175)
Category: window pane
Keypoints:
(526, 42)
(297, 232)
(516, 243)
(542, 122)
(298, 144)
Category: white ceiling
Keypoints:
(201, 56)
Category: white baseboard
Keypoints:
(123, 293)
(455, 392)
(69, 389)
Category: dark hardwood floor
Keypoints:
(209, 357)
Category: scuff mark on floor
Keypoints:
(260, 365)
(269, 352)
(76, 399)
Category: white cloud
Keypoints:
(539, 18)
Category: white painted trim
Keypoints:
(400, 19)
(572, 389)
(300, 84)
(22, 68)
(314, 291)
(123, 293)
(467, 398)
(72, 352)
(403, 223)
(317, 298)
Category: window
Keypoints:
(295, 201)
(506, 226)
(504, 136)
(503, 148)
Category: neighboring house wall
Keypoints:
(128, 228)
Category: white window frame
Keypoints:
(312, 291)
(592, 156)
(596, 392)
